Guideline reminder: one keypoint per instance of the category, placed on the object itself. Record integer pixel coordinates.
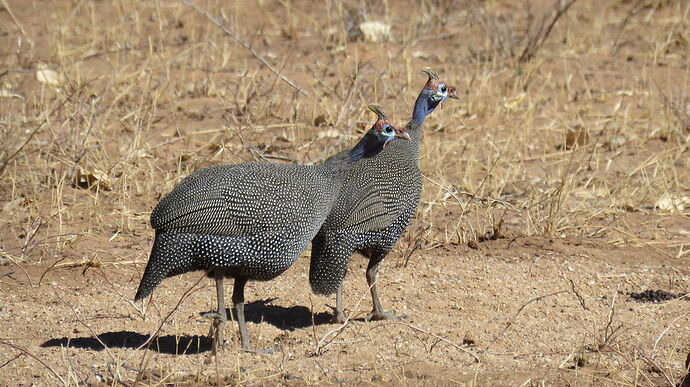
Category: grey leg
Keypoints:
(221, 317)
(339, 316)
(377, 313)
(238, 307)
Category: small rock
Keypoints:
(468, 339)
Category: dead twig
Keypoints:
(147, 343)
(481, 199)
(9, 258)
(538, 37)
(656, 342)
(245, 45)
(91, 262)
(324, 342)
(652, 364)
(515, 316)
(328, 151)
(11, 360)
(80, 321)
(113, 371)
(415, 244)
(609, 330)
(579, 297)
(14, 18)
(345, 104)
(29, 354)
(8, 157)
(508, 42)
(141, 311)
(631, 13)
(437, 337)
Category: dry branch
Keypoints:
(29, 354)
(144, 362)
(537, 37)
(437, 337)
(245, 45)
(481, 199)
(11, 259)
(515, 316)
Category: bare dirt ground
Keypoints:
(555, 188)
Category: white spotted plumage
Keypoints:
(249, 221)
(377, 202)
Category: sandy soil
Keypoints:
(518, 269)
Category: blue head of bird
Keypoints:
(434, 92)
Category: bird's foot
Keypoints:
(267, 351)
(212, 315)
(215, 332)
(338, 318)
(383, 315)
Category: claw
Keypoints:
(386, 315)
(267, 351)
(337, 319)
(215, 332)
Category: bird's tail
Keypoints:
(172, 254)
(156, 270)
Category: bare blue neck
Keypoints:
(422, 108)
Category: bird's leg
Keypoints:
(377, 313)
(339, 316)
(221, 317)
(238, 307)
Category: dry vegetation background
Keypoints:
(558, 184)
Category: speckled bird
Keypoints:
(249, 221)
(377, 201)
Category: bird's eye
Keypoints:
(387, 129)
(443, 88)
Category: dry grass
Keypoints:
(582, 132)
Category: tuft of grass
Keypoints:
(573, 123)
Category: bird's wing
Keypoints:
(241, 200)
(377, 192)
(364, 204)
(368, 213)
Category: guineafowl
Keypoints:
(377, 201)
(249, 221)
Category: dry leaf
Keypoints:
(376, 32)
(10, 94)
(320, 120)
(330, 133)
(576, 136)
(283, 137)
(672, 203)
(93, 179)
(48, 76)
(512, 104)
(591, 193)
